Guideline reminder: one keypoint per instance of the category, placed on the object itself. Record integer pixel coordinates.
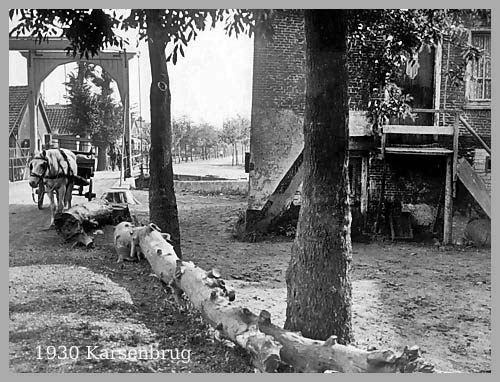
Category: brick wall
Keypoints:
(453, 97)
(278, 104)
(409, 178)
(278, 76)
(482, 165)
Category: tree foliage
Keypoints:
(393, 37)
(202, 139)
(235, 129)
(84, 110)
(89, 30)
(95, 113)
(110, 112)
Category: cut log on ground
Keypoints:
(77, 223)
(272, 348)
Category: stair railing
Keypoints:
(475, 134)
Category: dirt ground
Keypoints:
(404, 294)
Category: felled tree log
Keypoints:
(272, 348)
(76, 223)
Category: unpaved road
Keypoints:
(404, 294)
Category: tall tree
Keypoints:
(95, 113)
(84, 111)
(207, 139)
(234, 130)
(181, 130)
(318, 280)
(110, 117)
(162, 201)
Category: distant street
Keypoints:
(220, 167)
(20, 192)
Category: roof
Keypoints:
(18, 101)
(18, 96)
(59, 118)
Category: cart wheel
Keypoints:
(41, 194)
(89, 194)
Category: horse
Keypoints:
(57, 169)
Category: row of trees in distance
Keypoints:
(191, 140)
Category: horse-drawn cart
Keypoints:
(85, 162)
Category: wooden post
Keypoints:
(448, 203)
(11, 170)
(383, 143)
(127, 149)
(364, 188)
(32, 103)
(456, 131)
(381, 198)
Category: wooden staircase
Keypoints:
(287, 187)
(456, 169)
(475, 185)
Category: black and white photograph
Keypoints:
(250, 190)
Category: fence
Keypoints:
(18, 161)
(72, 143)
(140, 162)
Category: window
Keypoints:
(479, 71)
(46, 143)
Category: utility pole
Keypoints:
(140, 108)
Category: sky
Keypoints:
(212, 82)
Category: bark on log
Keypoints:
(79, 221)
(272, 348)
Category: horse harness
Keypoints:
(46, 167)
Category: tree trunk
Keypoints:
(80, 220)
(162, 202)
(236, 152)
(102, 158)
(318, 280)
(271, 348)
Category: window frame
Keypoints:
(475, 103)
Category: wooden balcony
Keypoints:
(389, 149)
(417, 130)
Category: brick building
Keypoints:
(278, 102)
